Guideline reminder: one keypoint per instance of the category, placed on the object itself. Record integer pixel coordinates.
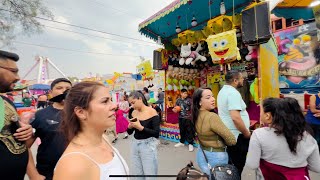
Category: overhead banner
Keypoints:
(299, 54)
(269, 73)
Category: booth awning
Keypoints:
(181, 12)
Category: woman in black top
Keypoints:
(144, 154)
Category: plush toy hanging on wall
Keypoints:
(188, 56)
(253, 53)
(223, 48)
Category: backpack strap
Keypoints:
(1, 113)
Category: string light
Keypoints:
(194, 21)
(222, 8)
(178, 29)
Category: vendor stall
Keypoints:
(202, 41)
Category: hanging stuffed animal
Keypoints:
(188, 56)
(169, 78)
(146, 71)
(223, 48)
(253, 53)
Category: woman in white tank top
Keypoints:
(88, 112)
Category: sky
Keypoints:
(113, 16)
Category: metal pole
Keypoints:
(37, 62)
(40, 69)
(55, 67)
(47, 68)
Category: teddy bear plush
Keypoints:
(188, 56)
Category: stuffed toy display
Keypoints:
(223, 48)
(253, 53)
(188, 56)
(169, 80)
(203, 77)
(254, 90)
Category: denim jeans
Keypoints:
(144, 158)
(214, 158)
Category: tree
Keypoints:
(21, 17)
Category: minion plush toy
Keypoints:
(223, 48)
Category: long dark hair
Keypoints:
(196, 98)
(137, 95)
(79, 95)
(287, 119)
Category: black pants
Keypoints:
(12, 166)
(238, 153)
(186, 131)
(316, 133)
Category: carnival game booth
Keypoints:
(39, 89)
(202, 41)
(297, 36)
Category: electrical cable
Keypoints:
(87, 28)
(72, 50)
(61, 29)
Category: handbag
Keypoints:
(191, 173)
(222, 172)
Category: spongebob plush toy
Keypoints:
(145, 69)
(223, 48)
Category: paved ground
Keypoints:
(172, 160)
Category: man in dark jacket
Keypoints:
(14, 131)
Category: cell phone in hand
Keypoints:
(133, 120)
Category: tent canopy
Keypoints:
(295, 9)
(181, 12)
(39, 87)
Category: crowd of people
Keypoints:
(74, 131)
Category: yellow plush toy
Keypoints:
(223, 48)
(145, 69)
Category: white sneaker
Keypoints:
(191, 148)
(179, 145)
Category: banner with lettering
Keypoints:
(299, 53)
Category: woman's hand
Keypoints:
(136, 125)
(317, 115)
(130, 125)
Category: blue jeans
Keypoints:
(214, 158)
(144, 157)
